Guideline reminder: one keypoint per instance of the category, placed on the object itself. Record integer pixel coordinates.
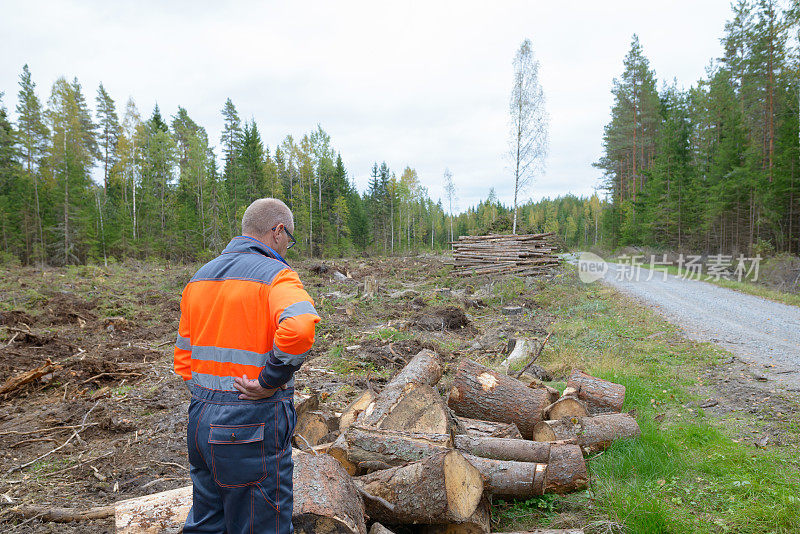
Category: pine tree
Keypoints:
(71, 157)
(231, 142)
(32, 139)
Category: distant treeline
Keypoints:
(716, 167)
(162, 194)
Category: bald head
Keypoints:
(263, 215)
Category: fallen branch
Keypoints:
(63, 515)
(17, 381)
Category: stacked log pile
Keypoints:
(525, 254)
(406, 456)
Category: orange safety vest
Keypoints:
(244, 313)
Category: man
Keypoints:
(246, 326)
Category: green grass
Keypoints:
(685, 474)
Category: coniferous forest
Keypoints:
(711, 168)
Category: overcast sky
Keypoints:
(420, 84)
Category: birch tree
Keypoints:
(529, 122)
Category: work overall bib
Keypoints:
(241, 462)
(244, 313)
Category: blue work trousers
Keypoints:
(241, 463)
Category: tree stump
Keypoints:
(600, 396)
(444, 488)
(325, 497)
(481, 393)
(593, 433)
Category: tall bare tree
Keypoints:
(450, 191)
(529, 122)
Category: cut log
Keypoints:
(600, 396)
(503, 478)
(155, 513)
(339, 450)
(423, 369)
(444, 488)
(421, 409)
(314, 425)
(482, 393)
(476, 427)
(392, 448)
(535, 383)
(354, 409)
(325, 497)
(17, 381)
(566, 469)
(565, 407)
(377, 528)
(304, 403)
(478, 523)
(593, 433)
(519, 450)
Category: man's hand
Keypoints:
(252, 390)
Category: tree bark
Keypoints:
(518, 450)
(393, 448)
(593, 433)
(566, 469)
(476, 427)
(600, 396)
(325, 497)
(565, 407)
(482, 393)
(478, 523)
(504, 478)
(441, 488)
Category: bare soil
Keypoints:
(110, 422)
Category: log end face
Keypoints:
(543, 432)
(463, 485)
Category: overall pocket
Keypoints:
(290, 421)
(238, 455)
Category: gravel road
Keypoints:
(758, 331)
